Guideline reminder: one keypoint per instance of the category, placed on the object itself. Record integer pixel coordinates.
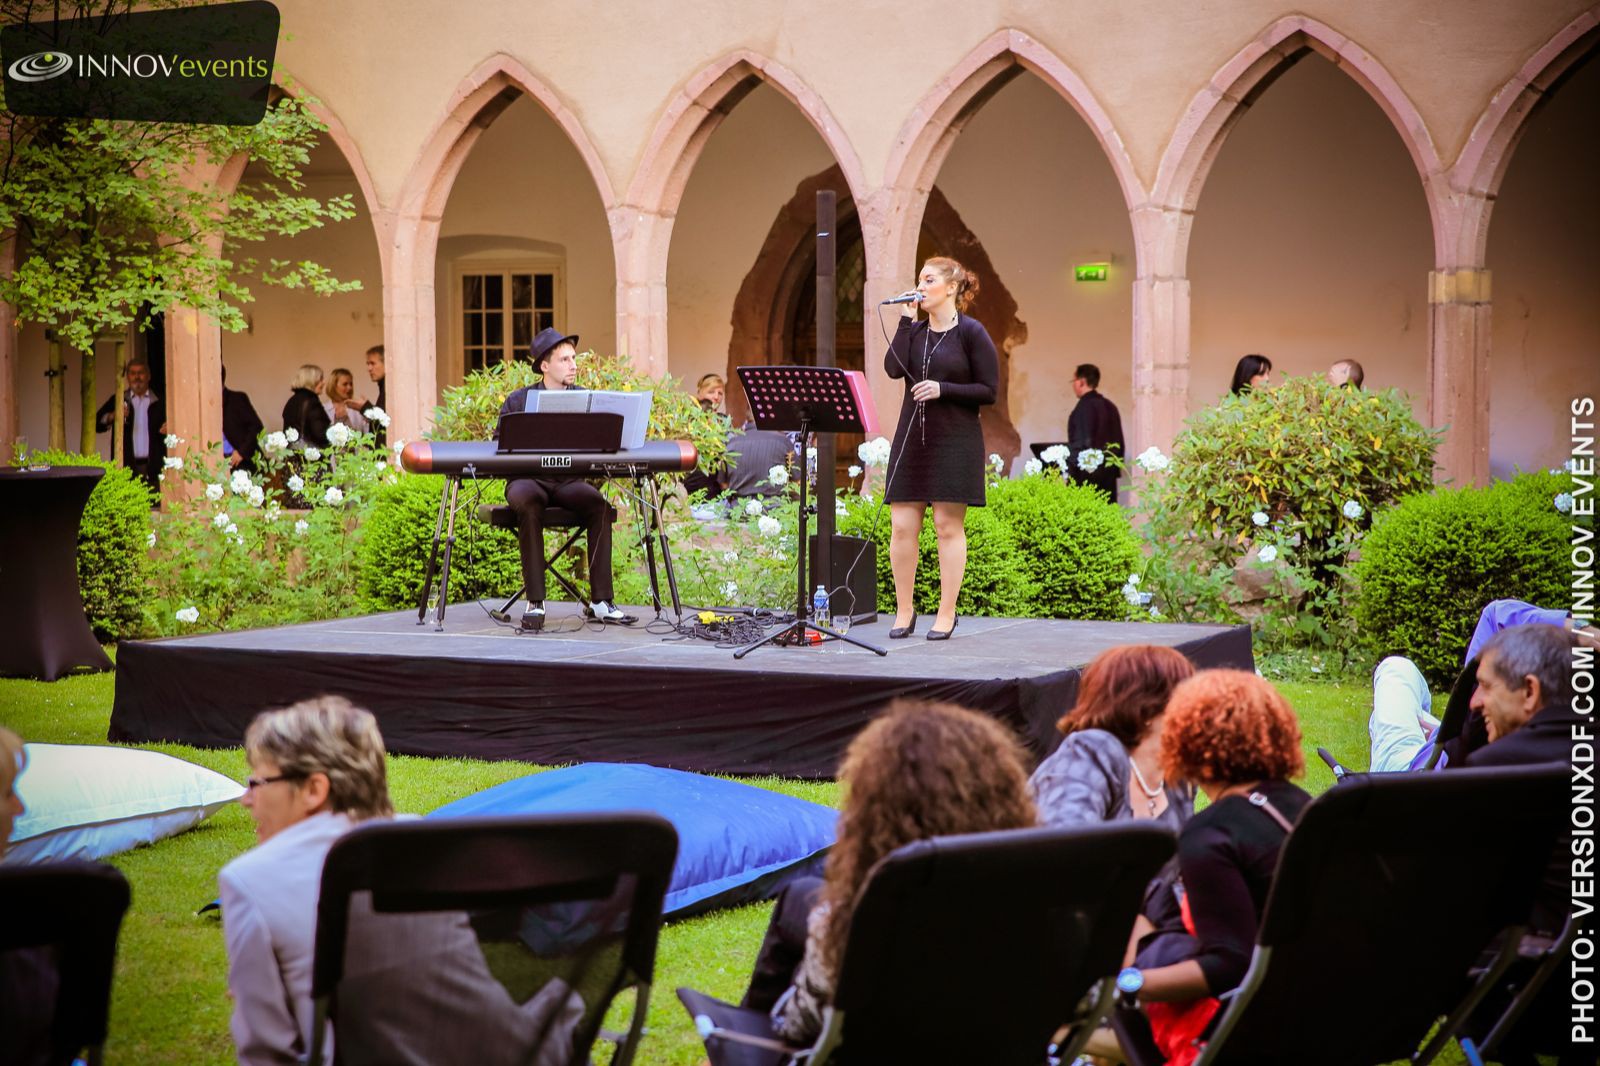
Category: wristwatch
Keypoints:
(1130, 981)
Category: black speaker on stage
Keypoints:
(854, 590)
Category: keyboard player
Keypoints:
(555, 357)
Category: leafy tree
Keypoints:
(114, 224)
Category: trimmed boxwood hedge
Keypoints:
(399, 534)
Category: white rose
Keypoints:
(295, 482)
(1268, 554)
(333, 496)
(240, 482)
(1134, 579)
(1260, 518)
(1151, 460)
(840, 509)
(150, 539)
(769, 526)
(301, 526)
(778, 475)
(313, 454)
(231, 531)
(172, 440)
(730, 556)
(730, 591)
(191, 615)
(214, 491)
(995, 460)
(172, 462)
(378, 415)
(752, 508)
(1563, 502)
(1056, 453)
(1353, 510)
(257, 496)
(1131, 594)
(854, 471)
(272, 512)
(398, 446)
(221, 520)
(291, 434)
(1089, 460)
(380, 468)
(1032, 467)
(275, 442)
(338, 434)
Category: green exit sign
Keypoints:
(1091, 271)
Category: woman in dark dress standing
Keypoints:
(304, 412)
(951, 370)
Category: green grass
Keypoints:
(170, 1001)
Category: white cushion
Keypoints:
(87, 802)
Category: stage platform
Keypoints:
(583, 693)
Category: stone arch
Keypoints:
(641, 225)
(765, 307)
(931, 130)
(411, 227)
(1481, 165)
(1218, 106)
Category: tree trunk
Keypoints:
(58, 398)
(86, 400)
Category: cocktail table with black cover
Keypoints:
(43, 631)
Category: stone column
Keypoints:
(883, 216)
(411, 373)
(10, 361)
(1160, 327)
(194, 381)
(1458, 372)
(640, 240)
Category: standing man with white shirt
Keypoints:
(144, 418)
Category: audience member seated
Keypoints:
(710, 392)
(340, 403)
(920, 770)
(1237, 739)
(1401, 726)
(754, 453)
(1346, 372)
(1108, 769)
(303, 413)
(28, 979)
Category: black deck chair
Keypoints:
(1390, 889)
(572, 897)
(62, 919)
(969, 949)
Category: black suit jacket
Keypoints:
(1096, 423)
(242, 426)
(105, 418)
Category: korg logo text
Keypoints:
(563, 461)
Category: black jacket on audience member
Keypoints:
(241, 425)
(304, 414)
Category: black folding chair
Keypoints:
(60, 924)
(489, 939)
(970, 949)
(1389, 890)
(501, 516)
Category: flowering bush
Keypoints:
(1432, 563)
(1256, 512)
(231, 552)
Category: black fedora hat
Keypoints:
(546, 342)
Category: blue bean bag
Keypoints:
(736, 843)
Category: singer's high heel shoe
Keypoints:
(902, 632)
(944, 634)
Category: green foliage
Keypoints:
(399, 535)
(1432, 563)
(1266, 496)
(470, 410)
(113, 540)
(1079, 547)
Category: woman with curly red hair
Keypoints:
(921, 770)
(1108, 768)
(1237, 739)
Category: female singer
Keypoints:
(951, 370)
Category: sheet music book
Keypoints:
(634, 407)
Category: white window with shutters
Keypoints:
(498, 306)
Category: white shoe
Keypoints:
(605, 612)
(533, 618)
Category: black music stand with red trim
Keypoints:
(811, 399)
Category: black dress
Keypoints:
(304, 414)
(938, 445)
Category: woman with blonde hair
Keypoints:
(921, 770)
(340, 402)
(303, 413)
(951, 369)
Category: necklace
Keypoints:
(1150, 794)
(927, 362)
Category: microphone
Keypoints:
(910, 296)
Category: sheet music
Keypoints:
(558, 400)
(634, 407)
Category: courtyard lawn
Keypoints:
(170, 1001)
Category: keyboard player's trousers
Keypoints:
(528, 497)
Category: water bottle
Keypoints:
(819, 606)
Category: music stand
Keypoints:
(811, 399)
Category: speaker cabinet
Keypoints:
(853, 585)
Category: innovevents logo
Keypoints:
(41, 66)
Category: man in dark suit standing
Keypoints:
(1094, 423)
(241, 427)
(144, 429)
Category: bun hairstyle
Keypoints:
(966, 281)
